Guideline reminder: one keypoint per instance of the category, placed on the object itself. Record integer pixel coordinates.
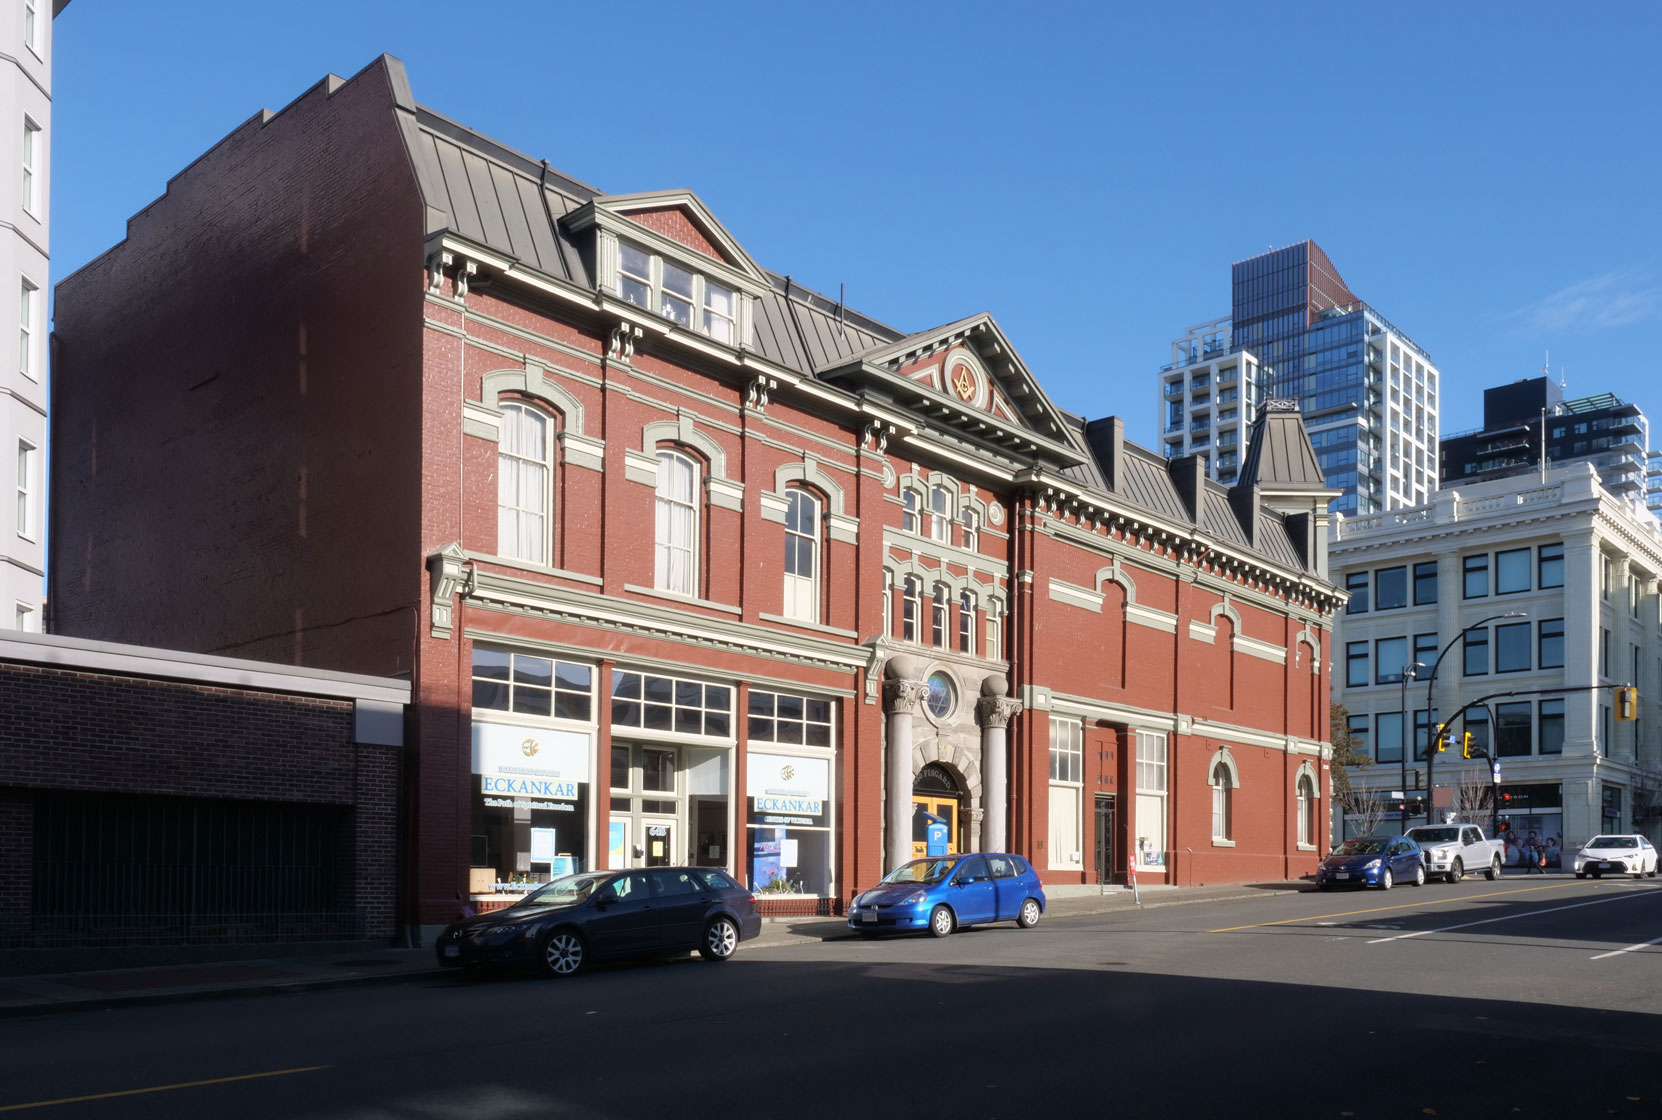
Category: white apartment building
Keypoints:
(25, 141)
(1209, 396)
(1529, 584)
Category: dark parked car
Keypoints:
(562, 925)
(944, 893)
(1372, 861)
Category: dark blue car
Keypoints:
(563, 925)
(943, 893)
(1373, 861)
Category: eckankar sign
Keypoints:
(796, 788)
(529, 761)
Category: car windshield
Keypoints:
(922, 871)
(1436, 835)
(565, 890)
(1612, 842)
(1369, 846)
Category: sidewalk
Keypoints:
(22, 996)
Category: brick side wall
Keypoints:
(675, 225)
(247, 359)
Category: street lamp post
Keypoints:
(1431, 702)
(1409, 672)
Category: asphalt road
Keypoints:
(1520, 998)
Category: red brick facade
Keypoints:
(345, 503)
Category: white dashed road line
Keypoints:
(1629, 949)
(1510, 917)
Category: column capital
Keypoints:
(902, 695)
(996, 711)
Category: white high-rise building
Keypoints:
(1367, 393)
(25, 139)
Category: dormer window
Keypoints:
(680, 295)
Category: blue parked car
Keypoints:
(1373, 861)
(943, 893)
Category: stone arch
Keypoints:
(964, 770)
(682, 430)
(1224, 758)
(1116, 573)
(1307, 638)
(1306, 770)
(808, 473)
(531, 381)
(1227, 610)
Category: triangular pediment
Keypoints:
(675, 221)
(967, 377)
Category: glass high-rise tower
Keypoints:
(1367, 392)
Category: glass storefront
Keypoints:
(789, 824)
(669, 805)
(530, 806)
(1531, 814)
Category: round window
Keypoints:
(939, 695)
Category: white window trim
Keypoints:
(31, 27)
(28, 309)
(940, 523)
(1158, 843)
(32, 134)
(28, 504)
(700, 301)
(661, 573)
(795, 582)
(545, 506)
(1072, 734)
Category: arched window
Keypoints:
(909, 606)
(937, 616)
(676, 527)
(524, 498)
(1307, 804)
(940, 514)
(1223, 789)
(909, 519)
(971, 524)
(802, 556)
(966, 622)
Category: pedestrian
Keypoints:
(1537, 859)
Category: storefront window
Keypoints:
(789, 824)
(530, 807)
(529, 685)
(671, 705)
(1531, 814)
(777, 717)
(669, 806)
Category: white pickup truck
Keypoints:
(1455, 850)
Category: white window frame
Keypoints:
(970, 525)
(911, 505)
(27, 488)
(1066, 789)
(25, 619)
(1223, 803)
(940, 514)
(31, 158)
(523, 468)
(701, 311)
(31, 26)
(995, 629)
(939, 597)
(801, 590)
(911, 608)
(966, 623)
(1152, 798)
(1304, 791)
(668, 543)
(27, 304)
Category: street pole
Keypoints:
(1434, 733)
(1408, 671)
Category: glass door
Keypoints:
(658, 841)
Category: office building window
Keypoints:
(1361, 741)
(1425, 583)
(1549, 653)
(1425, 652)
(1604, 652)
(1390, 588)
(1357, 584)
(1476, 570)
(1552, 727)
(1388, 736)
(1356, 664)
(1511, 571)
(1475, 646)
(1549, 566)
(1390, 659)
(1512, 728)
(1512, 648)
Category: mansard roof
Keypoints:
(1279, 455)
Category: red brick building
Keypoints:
(151, 798)
(685, 562)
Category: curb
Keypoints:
(25, 1009)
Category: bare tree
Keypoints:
(1474, 794)
(1365, 806)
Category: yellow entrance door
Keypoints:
(945, 808)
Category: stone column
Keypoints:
(901, 695)
(995, 709)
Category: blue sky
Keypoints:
(1486, 175)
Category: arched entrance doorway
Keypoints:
(937, 797)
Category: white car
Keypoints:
(1616, 855)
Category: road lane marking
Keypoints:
(1404, 906)
(159, 1088)
(1506, 918)
(1629, 949)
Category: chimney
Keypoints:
(1244, 500)
(1189, 476)
(1106, 438)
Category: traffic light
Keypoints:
(1466, 745)
(1627, 704)
(1444, 736)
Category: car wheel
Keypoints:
(1598, 872)
(1324, 886)
(941, 921)
(1580, 874)
(563, 953)
(1029, 916)
(1494, 871)
(1458, 871)
(721, 940)
(1386, 881)
(1419, 875)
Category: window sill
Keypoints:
(1307, 847)
(677, 597)
(1218, 842)
(816, 626)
